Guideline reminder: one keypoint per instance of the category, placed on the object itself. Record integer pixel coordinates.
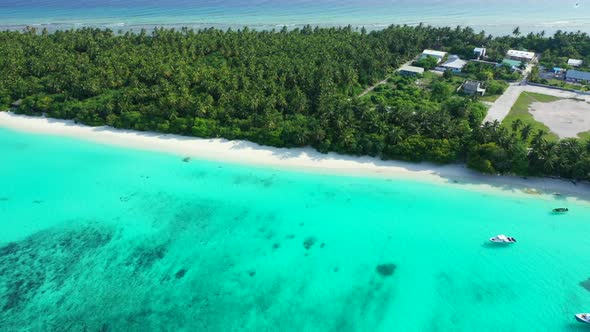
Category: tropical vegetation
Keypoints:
(285, 88)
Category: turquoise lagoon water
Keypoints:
(101, 238)
(497, 17)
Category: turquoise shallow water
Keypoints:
(496, 17)
(102, 238)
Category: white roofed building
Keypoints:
(411, 71)
(575, 62)
(520, 55)
(454, 64)
(479, 52)
(434, 54)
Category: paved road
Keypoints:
(502, 106)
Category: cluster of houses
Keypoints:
(572, 75)
(455, 64)
(569, 75)
(515, 59)
(452, 63)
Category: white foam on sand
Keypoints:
(300, 159)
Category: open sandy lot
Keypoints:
(566, 117)
(500, 109)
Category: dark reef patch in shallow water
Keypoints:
(386, 270)
(492, 292)
(144, 257)
(309, 242)
(180, 274)
(266, 182)
(45, 260)
(585, 284)
(127, 197)
(193, 217)
(10, 248)
(4, 199)
(364, 307)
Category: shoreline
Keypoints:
(298, 159)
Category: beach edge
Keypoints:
(296, 159)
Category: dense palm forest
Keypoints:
(282, 88)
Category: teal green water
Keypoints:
(497, 17)
(99, 238)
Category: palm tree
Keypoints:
(550, 163)
(516, 125)
(539, 138)
(516, 32)
(525, 133)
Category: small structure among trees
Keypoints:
(411, 71)
(473, 88)
(454, 64)
(575, 62)
(577, 76)
(520, 55)
(438, 55)
(479, 52)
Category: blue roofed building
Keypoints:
(577, 76)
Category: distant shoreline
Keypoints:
(490, 28)
(495, 30)
(297, 159)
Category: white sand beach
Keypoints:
(300, 159)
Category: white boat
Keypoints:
(583, 318)
(502, 239)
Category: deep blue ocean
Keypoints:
(496, 17)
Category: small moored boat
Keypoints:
(583, 318)
(560, 210)
(502, 239)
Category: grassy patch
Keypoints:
(456, 81)
(585, 136)
(566, 85)
(489, 98)
(426, 79)
(520, 110)
(538, 97)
